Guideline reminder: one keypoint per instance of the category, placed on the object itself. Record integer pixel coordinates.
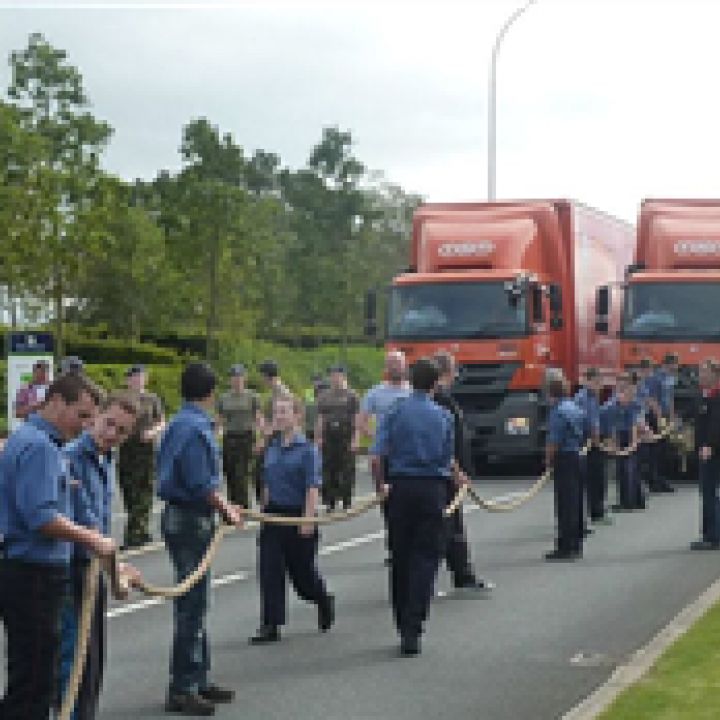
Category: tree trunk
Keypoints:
(59, 313)
(211, 328)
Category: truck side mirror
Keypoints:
(371, 314)
(555, 297)
(602, 309)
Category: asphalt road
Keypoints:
(533, 648)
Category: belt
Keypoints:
(196, 508)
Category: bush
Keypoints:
(163, 380)
(100, 352)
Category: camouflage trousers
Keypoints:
(136, 470)
(338, 462)
(237, 453)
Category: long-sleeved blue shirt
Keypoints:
(91, 488)
(34, 491)
(565, 426)
(416, 437)
(588, 402)
(188, 462)
(290, 470)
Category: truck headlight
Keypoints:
(517, 426)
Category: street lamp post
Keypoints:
(492, 98)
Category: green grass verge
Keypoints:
(685, 682)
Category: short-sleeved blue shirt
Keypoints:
(587, 401)
(380, 398)
(605, 416)
(565, 426)
(90, 486)
(417, 438)
(622, 418)
(290, 470)
(188, 462)
(34, 491)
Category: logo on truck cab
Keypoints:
(697, 247)
(466, 249)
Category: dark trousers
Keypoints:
(237, 453)
(187, 534)
(416, 524)
(457, 552)
(338, 463)
(595, 483)
(284, 552)
(630, 492)
(567, 501)
(86, 704)
(30, 600)
(709, 475)
(136, 477)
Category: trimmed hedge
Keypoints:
(296, 368)
(104, 352)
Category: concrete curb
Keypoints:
(643, 659)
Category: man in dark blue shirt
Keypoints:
(188, 467)
(564, 440)
(38, 533)
(595, 487)
(91, 490)
(416, 441)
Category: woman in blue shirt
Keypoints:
(291, 487)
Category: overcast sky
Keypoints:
(606, 101)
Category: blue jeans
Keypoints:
(187, 534)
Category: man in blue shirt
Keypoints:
(594, 486)
(188, 468)
(91, 489)
(626, 422)
(376, 403)
(667, 379)
(564, 440)
(37, 530)
(415, 442)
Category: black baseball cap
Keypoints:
(135, 370)
(269, 368)
(237, 370)
(337, 369)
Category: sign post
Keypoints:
(24, 350)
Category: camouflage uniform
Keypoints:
(136, 471)
(337, 410)
(238, 411)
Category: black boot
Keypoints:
(266, 634)
(326, 613)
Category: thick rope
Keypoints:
(89, 600)
(498, 505)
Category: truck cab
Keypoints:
(508, 289)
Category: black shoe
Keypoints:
(620, 508)
(587, 532)
(266, 634)
(185, 703)
(472, 583)
(388, 561)
(326, 613)
(704, 545)
(667, 489)
(217, 695)
(556, 555)
(410, 645)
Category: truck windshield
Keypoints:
(455, 310)
(679, 310)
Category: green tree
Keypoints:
(49, 96)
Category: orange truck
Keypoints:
(669, 301)
(509, 288)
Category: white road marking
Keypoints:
(243, 575)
